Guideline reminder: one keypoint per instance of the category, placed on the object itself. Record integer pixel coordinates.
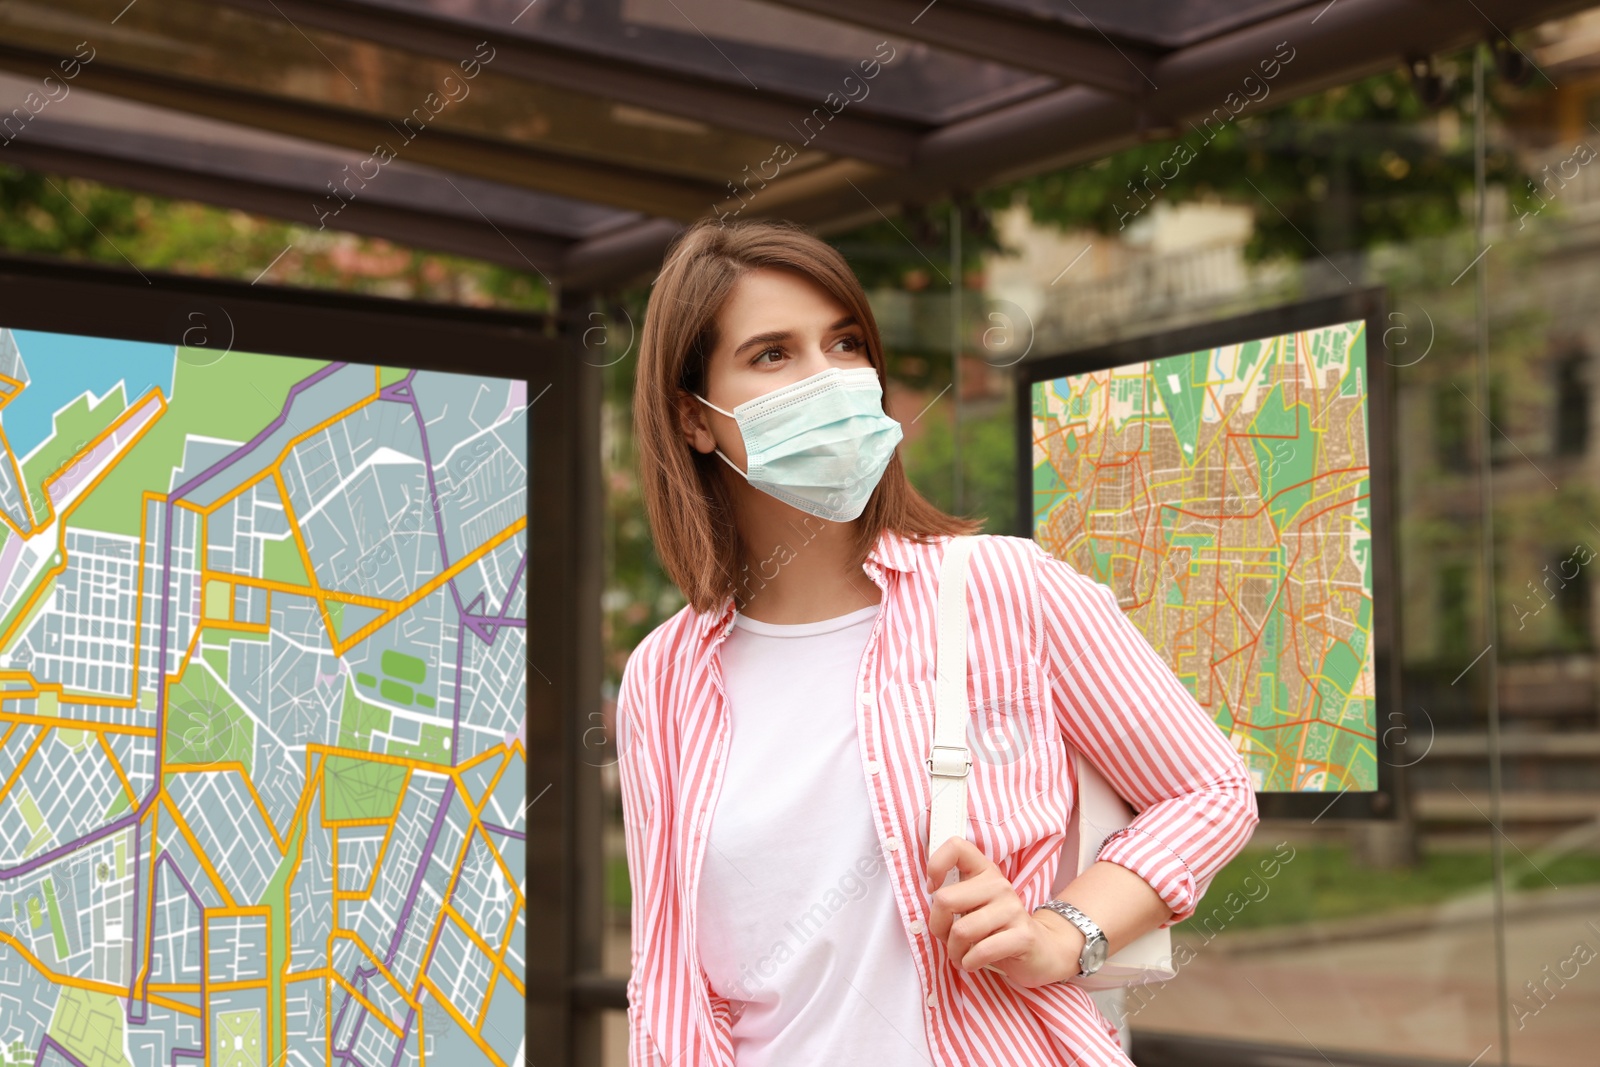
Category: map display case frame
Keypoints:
(1367, 305)
(378, 340)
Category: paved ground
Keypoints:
(1429, 992)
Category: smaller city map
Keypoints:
(1224, 497)
(262, 692)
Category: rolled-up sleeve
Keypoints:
(1120, 704)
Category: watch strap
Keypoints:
(1090, 929)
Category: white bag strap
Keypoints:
(1097, 812)
(950, 762)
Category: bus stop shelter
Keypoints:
(574, 138)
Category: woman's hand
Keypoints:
(994, 929)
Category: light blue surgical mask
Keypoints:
(819, 444)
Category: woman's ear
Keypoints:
(692, 423)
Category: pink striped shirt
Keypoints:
(1051, 658)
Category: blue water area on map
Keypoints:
(63, 366)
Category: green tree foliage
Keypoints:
(1355, 167)
(77, 219)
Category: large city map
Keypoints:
(262, 690)
(1223, 495)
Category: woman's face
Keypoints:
(776, 327)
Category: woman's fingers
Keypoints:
(989, 927)
(958, 854)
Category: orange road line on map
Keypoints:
(22, 764)
(427, 588)
(360, 998)
(511, 928)
(231, 765)
(142, 983)
(366, 950)
(116, 765)
(352, 824)
(327, 1013)
(388, 834)
(288, 447)
(461, 1021)
(229, 987)
(303, 590)
(73, 724)
(145, 499)
(56, 977)
(494, 849)
(199, 853)
(476, 807)
(183, 664)
(488, 996)
(511, 881)
(482, 757)
(301, 814)
(305, 553)
(234, 625)
(455, 877)
(205, 961)
(379, 757)
(482, 945)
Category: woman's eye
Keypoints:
(768, 352)
(856, 343)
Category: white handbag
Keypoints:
(1098, 812)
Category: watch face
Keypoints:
(1094, 956)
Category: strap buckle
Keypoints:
(947, 765)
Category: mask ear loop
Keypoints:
(719, 451)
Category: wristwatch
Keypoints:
(1093, 956)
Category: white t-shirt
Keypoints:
(797, 919)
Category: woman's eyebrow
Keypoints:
(774, 336)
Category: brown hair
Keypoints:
(688, 505)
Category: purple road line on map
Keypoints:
(188, 887)
(422, 867)
(493, 829)
(186, 1053)
(50, 1042)
(411, 899)
(172, 865)
(71, 846)
(405, 1034)
(511, 588)
(161, 655)
(455, 701)
(402, 392)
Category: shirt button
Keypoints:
(916, 926)
(892, 843)
(932, 1000)
(872, 766)
(866, 696)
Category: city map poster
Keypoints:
(262, 687)
(1224, 497)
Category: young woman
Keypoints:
(773, 733)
